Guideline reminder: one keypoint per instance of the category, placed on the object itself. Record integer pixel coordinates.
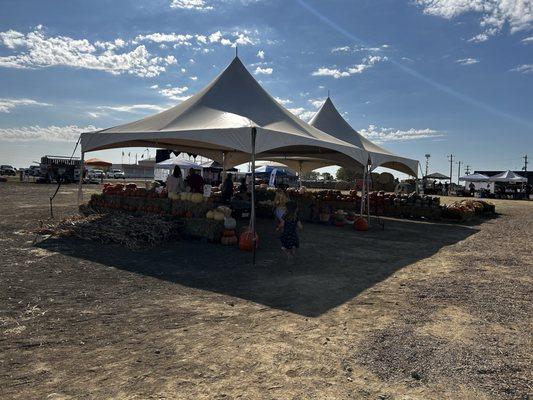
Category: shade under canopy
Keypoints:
(328, 119)
(219, 119)
(474, 178)
(508, 176)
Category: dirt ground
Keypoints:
(414, 311)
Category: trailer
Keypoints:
(59, 169)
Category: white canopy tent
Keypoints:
(474, 178)
(508, 177)
(164, 168)
(229, 120)
(328, 119)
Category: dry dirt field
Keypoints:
(415, 311)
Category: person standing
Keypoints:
(227, 189)
(195, 182)
(472, 188)
(289, 225)
(175, 182)
(280, 202)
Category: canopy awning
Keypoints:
(437, 175)
(219, 120)
(474, 178)
(177, 161)
(509, 177)
(328, 119)
(96, 162)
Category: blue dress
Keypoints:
(289, 237)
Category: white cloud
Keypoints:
(283, 102)
(187, 40)
(524, 68)
(342, 49)
(193, 78)
(467, 61)
(6, 105)
(302, 113)
(175, 93)
(49, 133)
(356, 48)
(199, 5)
(527, 40)
(261, 54)
(482, 37)
(132, 108)
(35, 50)
(154, 87)
(263, 71)
(367, 62)
(380, 135)
(316, 102)
(495, 14)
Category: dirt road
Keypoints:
(414, 311)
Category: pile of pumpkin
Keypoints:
(223, 213)
(465, 209)
(336, 195)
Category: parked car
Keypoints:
(34, 170)
(116, 174)
(96, 174)
(7, 170)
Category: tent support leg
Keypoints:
(252, 211)
(80, 182)
(363, 193)
(368, 196)
(224, 172)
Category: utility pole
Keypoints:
(450, 157)
(467, 172)
(458, 171)
(525, 164)
(427, 163)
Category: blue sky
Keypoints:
(418, 76)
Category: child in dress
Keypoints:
(289, 224)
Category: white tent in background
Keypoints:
(329, 120)
(509, 177)
(164, 168)
(474, 178)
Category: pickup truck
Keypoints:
(7, 170)
(116, 174)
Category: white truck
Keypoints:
(116, 174)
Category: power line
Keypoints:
(458, 172)
(467, 172)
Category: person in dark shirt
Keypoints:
(195, 182)
(227, 189)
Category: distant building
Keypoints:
(528, 174)
(143, 169)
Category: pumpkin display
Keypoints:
(196, 197)
(173, 196)
(230, 223)
(229, 240)
(210, 214)
(228, 232)
(360, 224)
(246, 241)
(218, 216)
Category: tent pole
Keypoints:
(224, 165)
(300, 173)
(363, 193)
(252, 211)
(80, 181)
(368, 196)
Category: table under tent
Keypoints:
(232, 120)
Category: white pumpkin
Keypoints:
(230, 223)
(218, 216)
(183, 196)
(209, 214)
(197, 197)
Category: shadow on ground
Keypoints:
(334, 264)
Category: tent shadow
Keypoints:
(334, 264)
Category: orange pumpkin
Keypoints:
(228, 232)
(246, 241)
(360, 224)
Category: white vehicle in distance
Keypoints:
(96, 174)
(116, 174)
